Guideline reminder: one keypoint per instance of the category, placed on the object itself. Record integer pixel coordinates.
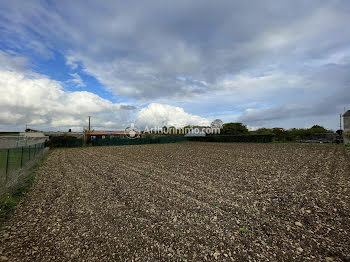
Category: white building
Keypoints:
(22, 139)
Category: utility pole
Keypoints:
(340, 121)
(89, 124)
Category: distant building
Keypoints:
(59, 133)
(19, 139)
(33, 134)
(30, 130)
(346, 118)
(102, 134)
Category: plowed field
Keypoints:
(186, 202)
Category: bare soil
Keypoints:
(186, 202)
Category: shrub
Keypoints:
(239, 138)
(65, 141)
(234, 129)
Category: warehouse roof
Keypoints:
(107, 133)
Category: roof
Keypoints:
(33, 134)
(347, 113)
(108, 133)
(29, 130)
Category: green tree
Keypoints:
(318, 129)
(234, 129)
(263, 131)
(278, 130)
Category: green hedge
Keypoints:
(238, 138)
(65, 141)
(136, 141)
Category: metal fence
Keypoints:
(19, 141)
(12, 159)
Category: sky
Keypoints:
(273, 63)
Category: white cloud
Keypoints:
(77, 80)
(12, 61)
(71, 62)
(42, 102)
(167, 115)
(270, 81)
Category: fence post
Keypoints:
(29, 151)
(34, 150)
(22, 157)
(7, 163)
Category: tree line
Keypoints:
(280, 134)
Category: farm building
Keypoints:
(19, 139)
(102, 134)
(346, 118)
(59, 133)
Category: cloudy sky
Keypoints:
(270, 63)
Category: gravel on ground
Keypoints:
(185, 202)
